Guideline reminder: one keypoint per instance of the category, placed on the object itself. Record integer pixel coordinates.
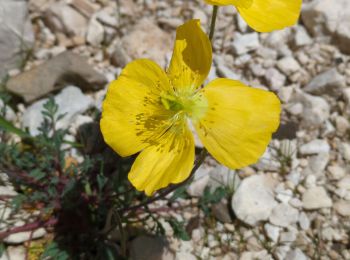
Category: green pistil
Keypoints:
(194, 106)
(171, 103)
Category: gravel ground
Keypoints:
(295, 210)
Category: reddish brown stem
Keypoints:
(28, 227)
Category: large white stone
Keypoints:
(342, 207)
(244, 43)
(316, 198)
(329, 82)
(284, 215)
(71, 102)
(95, 33)
(288, 65)
(316, 110)
(65, 19)
(18, 238)
(329, 17)
(316, 146)
(254, 199)
(16, 34)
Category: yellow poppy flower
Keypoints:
(265, 15)
(146, 109)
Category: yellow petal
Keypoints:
(170, 161)
(237, 3)
(192, 57)
(269, 15)
(239, 122)
(132, 112)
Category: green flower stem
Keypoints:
(213, 22)
(162, 194)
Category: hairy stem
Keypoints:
(213, 22)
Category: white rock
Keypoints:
(223, 70)
(201, 15)
(284, 196)
(301, 37)
(304, 221)
(317, 164)
(185, 256)
(315, 109)
(296, 203)
(7, 191)
(342, 207)
(200, 181)
(221, 176)
(345, 151)
(294, 177)
(18, 238)
(245, 43)
(71, 102)
(316, 198)
(346, 94)
(267, 162)
(79, 121)
(288, 65)
(9, 113)
(344, 183)
(242, 25)
(336, 172)
(261, 255)
(316, 146)
(277, 39)
(326, 17)
(285, 93)
(329, 82)
(310, 181)
(65, 19)
(284, 215)
(14, 253)
(295, 108)
(289, 236)
(95, 33)
(272, 232)
(254, 199)
(15, 33)
(281, 252)
(342, 125)
(329, 234)
(275, 79)
(296, 254)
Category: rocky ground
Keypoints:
(295, 203)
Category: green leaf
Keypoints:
(52, 251)
(179, 229)
(37, 174)
(9, 127)
(179, 193)
(69, 187)
(101, 181)
(18, 201)
(2, 249)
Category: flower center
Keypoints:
(193, 105)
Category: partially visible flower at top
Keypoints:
(265, 15)
(147, 110)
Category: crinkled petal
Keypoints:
(170, 161)
(192, 57)
(269, 15)
(239, 122)
(132, 111)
